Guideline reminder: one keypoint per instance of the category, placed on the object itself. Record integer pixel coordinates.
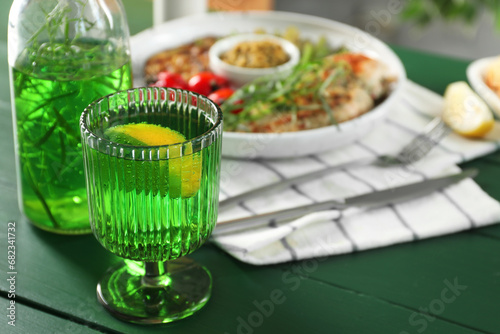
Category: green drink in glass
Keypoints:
(152, 165)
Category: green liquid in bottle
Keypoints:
(51, 88)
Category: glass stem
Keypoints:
(153, 293)
(154, 269)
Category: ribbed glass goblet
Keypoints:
(152, 165)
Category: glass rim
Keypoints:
(193, 141)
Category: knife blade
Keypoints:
(370, 200)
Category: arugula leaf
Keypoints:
(275, 94)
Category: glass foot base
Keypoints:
(131, 296)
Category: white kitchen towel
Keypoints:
(457, 208)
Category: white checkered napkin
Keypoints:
(459, 207)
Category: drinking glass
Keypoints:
(153, 204)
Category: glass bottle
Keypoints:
(63, 54)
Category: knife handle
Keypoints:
(263, 219)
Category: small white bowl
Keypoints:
(242, 75)
(476, 72)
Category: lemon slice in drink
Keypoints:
(465, 112)
(144, 134)
(184, 172)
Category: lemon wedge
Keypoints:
(465, 112)
(144, 134)
(184, 172)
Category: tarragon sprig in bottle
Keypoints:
(63, 55)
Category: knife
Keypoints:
(371, 200)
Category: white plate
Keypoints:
(282, 145)
(476, 72)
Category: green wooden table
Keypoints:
(443, 285)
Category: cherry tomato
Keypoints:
(221, 95)
(172, 80)
(206, 82)
(237, 111)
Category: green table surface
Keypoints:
(398, 289)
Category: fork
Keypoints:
(433, 132)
